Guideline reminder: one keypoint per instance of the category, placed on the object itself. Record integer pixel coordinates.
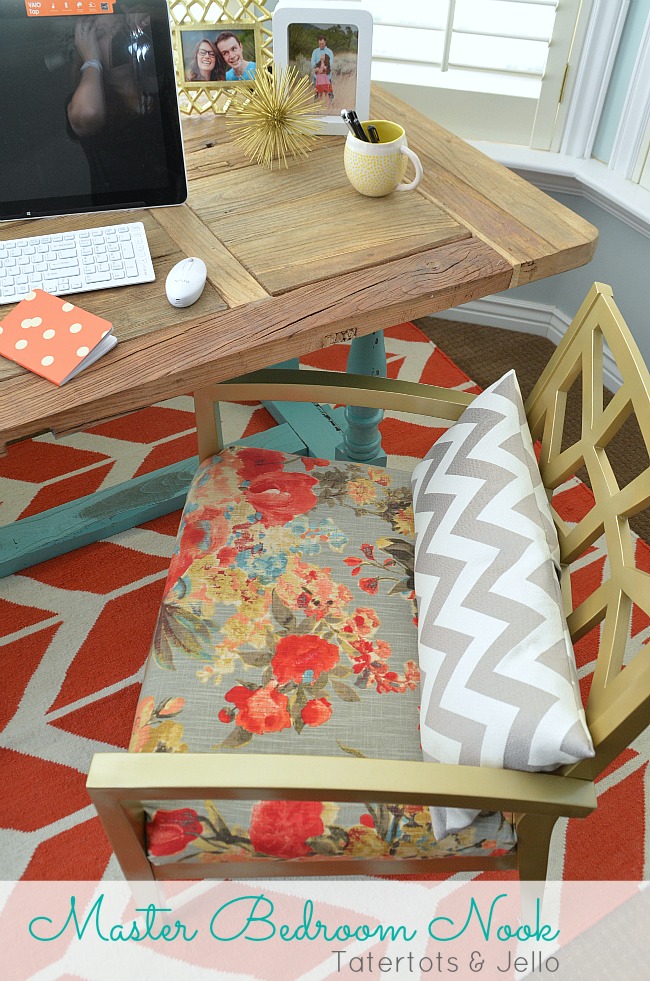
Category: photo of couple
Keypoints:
(223, 56)
(327, 53)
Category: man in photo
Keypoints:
(232, 52)
(316, 60)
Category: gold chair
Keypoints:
(618, 709)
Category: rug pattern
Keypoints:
(75, 631)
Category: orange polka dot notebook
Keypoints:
(54, 338)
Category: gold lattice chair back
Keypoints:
(619, 701)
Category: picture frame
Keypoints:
(346, 28)
(196, 27)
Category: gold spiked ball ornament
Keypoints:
(273, 120)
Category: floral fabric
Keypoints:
(300, 830)
(288, 626)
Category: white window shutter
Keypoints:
(512, 48)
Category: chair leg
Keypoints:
(208, 424)
(533, 843)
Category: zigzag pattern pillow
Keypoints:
(499, 682)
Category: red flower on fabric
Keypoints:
(282, 827)
(279, 497)
(170, 832)
(387, 681)
(316, 712)
(363, 622)
(309, 462)
(260, 710)
(251, 462)
(206, 530)
(227, 556)
(180, 563)
(297, 653)
(369, 585)
(368, 551)
(362, 663)
(367, 820)
(363, 646)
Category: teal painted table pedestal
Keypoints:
(319, 427)
(341, 434)
(361, 437)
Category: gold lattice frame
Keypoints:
(194, 14)
(618, 699)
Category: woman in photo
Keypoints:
(207, 64)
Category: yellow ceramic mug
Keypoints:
(377, 169)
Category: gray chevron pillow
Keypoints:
(499, 682)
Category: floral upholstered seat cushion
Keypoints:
(288, 626)
(229, 831)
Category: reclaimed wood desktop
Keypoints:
(297, 261)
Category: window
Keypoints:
(630, 148)
(488, 69)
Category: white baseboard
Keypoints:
(540, 319)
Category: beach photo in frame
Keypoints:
(331, 43)
(219, 45)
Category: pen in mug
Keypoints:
(346, 120)
(359, 130)
(351, 120)
(373, 134)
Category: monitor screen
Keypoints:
(89, 108)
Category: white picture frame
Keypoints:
(347, 28)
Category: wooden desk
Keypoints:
(297, 261)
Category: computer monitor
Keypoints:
(88, 106)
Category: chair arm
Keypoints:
(117, 777)
(285, 384)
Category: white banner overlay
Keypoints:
(322, 930)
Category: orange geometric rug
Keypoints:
(75, 632)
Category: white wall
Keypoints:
(622, 260)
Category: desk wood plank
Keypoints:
(541, 235)
(330, 230)
(208, 150)
(234, 283)
(133, 310)
(195, 353)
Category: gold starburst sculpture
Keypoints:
(274, 120)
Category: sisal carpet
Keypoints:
(75, 632)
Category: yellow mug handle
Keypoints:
(418, 170)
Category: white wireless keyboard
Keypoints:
(75, 262)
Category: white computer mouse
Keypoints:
(185, 281)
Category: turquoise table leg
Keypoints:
(362, 439)
(341, 434)
(319, 427)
